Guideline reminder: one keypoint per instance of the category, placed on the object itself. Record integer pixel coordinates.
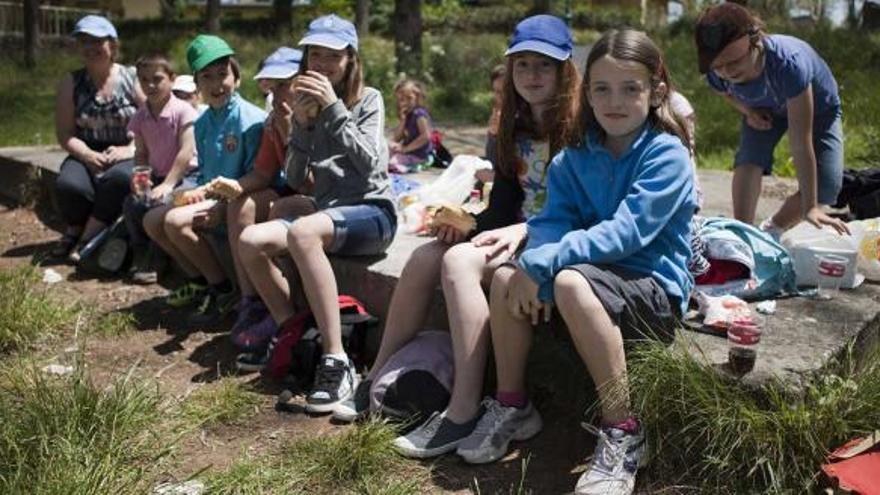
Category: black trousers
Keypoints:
(82, 194)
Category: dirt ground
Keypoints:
(182, 359)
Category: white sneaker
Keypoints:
(355, 407)
(335, 381)
(617, 457)
(498, 426)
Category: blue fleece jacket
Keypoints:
(633, 211)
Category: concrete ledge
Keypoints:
(24, 171)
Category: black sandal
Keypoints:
(64, 246)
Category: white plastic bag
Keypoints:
(805, 242)
(455, 183)
(868, 232)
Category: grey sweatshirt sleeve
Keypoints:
(296, 161)
(360, 133)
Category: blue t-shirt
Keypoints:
(227, 139)
(790, 65)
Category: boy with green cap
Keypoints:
(227, 138)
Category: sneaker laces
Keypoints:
(607, 450)
(431, 426)
(206, 302)
(493, 415)
(328, 379)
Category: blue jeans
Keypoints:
(359, 230)
(756, 148)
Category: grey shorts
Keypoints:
(635, 302)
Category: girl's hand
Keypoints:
(818, 218)
(317, 86)
(394, 147)
(522, 298)
(305, 109)
(504, 241)
(759, 118)
(159, 192)
(448, 234)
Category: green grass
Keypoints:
(360, 459)
(29, 312)
(65, 435)
(225, 401)
(718, 437)
(112, 324)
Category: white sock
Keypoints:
(342, 357)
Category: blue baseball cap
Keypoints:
(544, 34)
(281, 64)
(95, 25)
(331, 31)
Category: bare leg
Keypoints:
(598, 341)
(410, 301)
(746, 189)
(464, 267)
(195, 249)
(511, 336)
(154, 225)
(306, 240)
(789, 214)
(241, 213)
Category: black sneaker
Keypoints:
(335, 381)
(357, 406)
(214, 307)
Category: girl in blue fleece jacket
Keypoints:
(609, 249)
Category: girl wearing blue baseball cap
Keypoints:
(609, 250)
(537, 114)
(338, 146)
(92, 110)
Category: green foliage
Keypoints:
(222, 402)
(361, 459)
(28, 312)
(715, 435)
(65, 435)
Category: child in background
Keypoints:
(609, 250)
(227, 137)
(184, 88)
(336, 138)
(779, 84)
(164, 140)
(685, 111)
(252, 196)
(537, 114)
(412, 139)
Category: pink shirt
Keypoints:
(161, 133)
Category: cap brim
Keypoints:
(547, 49)
(325, 40)
(97, 33)
(207, 60)
(277, 72)
(186, 88)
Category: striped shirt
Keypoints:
(103, 122)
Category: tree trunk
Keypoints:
(362, 17)
(283, 16)
(408, 36)
(31, 32)
(212, 16)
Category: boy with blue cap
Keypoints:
(227, 138)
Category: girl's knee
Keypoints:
(571, 289)
(302, 235)
(176, 220)
(462, 259)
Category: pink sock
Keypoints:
(512, 399)
(629, 425)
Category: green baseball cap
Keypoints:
(206, 48)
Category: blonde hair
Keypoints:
(416, 87)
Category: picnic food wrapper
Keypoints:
(720, 311)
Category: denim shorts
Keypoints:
(756, 148)
(359, 230)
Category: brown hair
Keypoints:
(352, 82)
(720, 25)
(498, 72)
(156, 59)
(416, 87)
(233, 64)
(634, 46)
(517, 120)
